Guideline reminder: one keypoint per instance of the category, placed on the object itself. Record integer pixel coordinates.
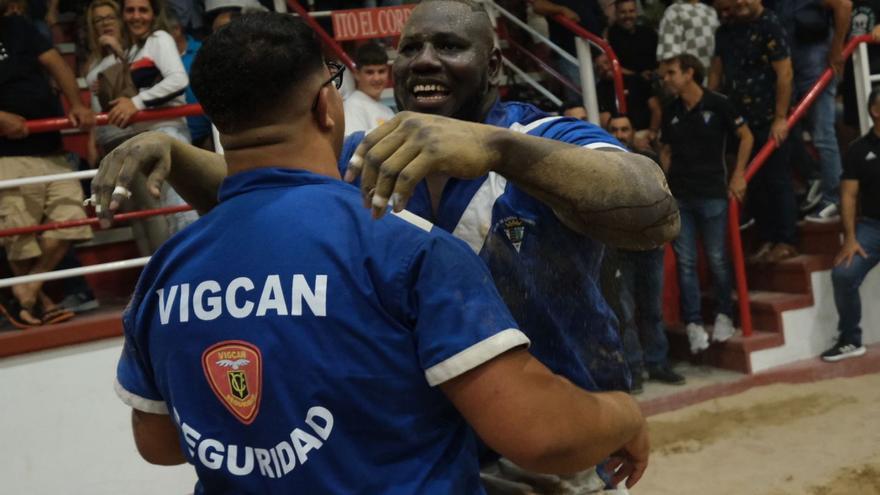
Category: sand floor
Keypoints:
(819, 438)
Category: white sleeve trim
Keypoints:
(475, 355)
(138, 402)
(593, 146)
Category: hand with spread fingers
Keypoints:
(148, 153)
(395, 157)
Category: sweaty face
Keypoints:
(622, 130)
(626, 15)
(138, 17)
(372, 79)
(443, 61)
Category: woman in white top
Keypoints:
(161, 80)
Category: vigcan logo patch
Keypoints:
(234, 369)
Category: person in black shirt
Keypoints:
(696, 125)
(643, 108)
(640, 291)
(861, 246)
(634, 44)
(752, 66)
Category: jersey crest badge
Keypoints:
(707, 116)
(234, 370)
(515, 230)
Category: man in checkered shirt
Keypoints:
(688, 26)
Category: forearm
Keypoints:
(156, 438)
(594, 426)
(62, 75)
(543, 7)
(783, 94)
(196, 175)
(848, 216)
(842, 11)
(614, 197)
(743, 152)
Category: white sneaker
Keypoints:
(824, 213)
(698, 337)
(723, 328)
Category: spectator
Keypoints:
(160, 79)
(641, 293)
(643, 107)
(363, 108)
(815, 44)
(25, 93)
(587, 13)
(106, 49)
(696, 125)
(752, 64)
(861, 245)
(42, 13)
(688, 26)
(188, 15)
(187, 46)
(634, 44)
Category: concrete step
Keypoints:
(820, 238)
(792, 275)
(766, 308)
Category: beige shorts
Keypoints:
(35, 204)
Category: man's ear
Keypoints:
(322, 109)
(494, 64)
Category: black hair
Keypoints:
(687, 61)
(618, 115)
(370, 54)
(244, 70)
(568, 105)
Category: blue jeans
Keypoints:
(706, 218)
(847, 279)
(809, 61)
(641, 290)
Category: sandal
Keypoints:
(56, 315)
(11, 309)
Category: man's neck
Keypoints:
(757, 12)
(282, 147)
(486, 105)
(377, 99)
(691, 95)
(876, 129)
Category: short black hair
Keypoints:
(568, 105)
(618, 115)
(244, 70)
(687, 61)
(370, 54)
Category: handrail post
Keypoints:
(588, 79)
(739, 268)
(862, 73)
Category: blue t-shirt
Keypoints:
(199, 125)
(297, 343)
(547, 274)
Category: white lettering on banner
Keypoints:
(242, 298)
(274, 462)
(361, 24)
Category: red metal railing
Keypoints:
(754, 166)
(33, 229)
(325, 38)
(597, 41)
(58, 123)
(543, 65)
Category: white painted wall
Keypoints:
(64, 431)
(811, 331)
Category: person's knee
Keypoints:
(846, 276)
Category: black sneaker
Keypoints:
(841, 351)
(664, 374)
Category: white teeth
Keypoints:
(422, 88)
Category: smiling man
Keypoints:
(535, 196)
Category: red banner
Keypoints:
(362, 24)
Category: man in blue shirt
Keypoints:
(327, 352)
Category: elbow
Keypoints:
(159, 458)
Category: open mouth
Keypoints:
(430, 93)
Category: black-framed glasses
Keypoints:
(336, 70)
